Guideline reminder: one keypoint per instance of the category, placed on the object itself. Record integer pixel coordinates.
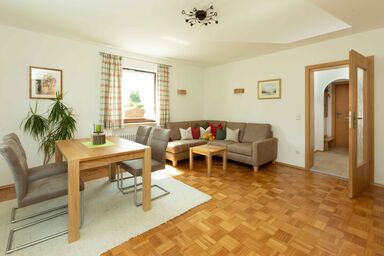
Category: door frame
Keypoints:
(309, 112)
(309, 106)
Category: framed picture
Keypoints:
(44, 83)
(269, 89)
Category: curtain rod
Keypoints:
(140, 60)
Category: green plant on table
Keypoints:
(58, 123)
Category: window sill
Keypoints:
(128, 123)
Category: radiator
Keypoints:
(127, 136)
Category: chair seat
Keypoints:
(46, 170)
(47, 188)
(136, 166)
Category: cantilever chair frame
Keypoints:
(9, 248)
(134, 188)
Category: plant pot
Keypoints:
(133, 113)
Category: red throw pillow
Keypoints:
(195, 133)
(213, 130)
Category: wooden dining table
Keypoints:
(81, 156)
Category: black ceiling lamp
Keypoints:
(203, 17)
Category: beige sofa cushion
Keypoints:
(255, 132)
(178, 146)
(244, 148)
(237, 125)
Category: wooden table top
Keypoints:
(208, 148)
(74, 149)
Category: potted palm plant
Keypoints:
(58, 123)
(134, 108)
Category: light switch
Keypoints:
(298, 116)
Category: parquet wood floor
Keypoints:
(277, 211)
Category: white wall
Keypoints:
(221, 103)
(321, 80)
(81, 63)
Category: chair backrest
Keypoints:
(18, 165)
(159, 143)
(13, 136)
(142, 134)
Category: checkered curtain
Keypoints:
(110, 94)
(162, 95)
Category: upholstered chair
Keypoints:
(38, 172)
(142, 134)
(29, 192)
(158, 144)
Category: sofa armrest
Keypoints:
(264, 151)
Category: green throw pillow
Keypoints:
(220, 134)
(205, 125)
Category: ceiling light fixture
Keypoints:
(203, 17)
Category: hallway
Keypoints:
(333, 162)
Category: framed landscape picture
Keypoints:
(269, 89)
(44, 83)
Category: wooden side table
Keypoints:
(208, 151)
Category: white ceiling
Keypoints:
(157, 28)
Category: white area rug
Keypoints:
(110, 218)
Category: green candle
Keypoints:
(98, 128)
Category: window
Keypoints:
(138, 95)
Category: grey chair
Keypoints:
(32, 191)
(39, 171)
(142, 134)
(159, 142)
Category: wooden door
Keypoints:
(341, 114)
(360, 122)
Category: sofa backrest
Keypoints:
(237, 125)
(216, 123)
(249, 132)
(175, 128)
(198, 123)
(255, 132)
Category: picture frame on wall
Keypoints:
(269, 89)
(44, 83)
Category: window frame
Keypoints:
(143, 120)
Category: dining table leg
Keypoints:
(58, 155)
(112, 172)
(73, 201)
(147, 169)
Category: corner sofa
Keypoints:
(256, 145)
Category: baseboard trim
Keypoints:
(9, 186)
(292, 166)
(7, 192)
(379, 185)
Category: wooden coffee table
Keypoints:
(208, 151)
